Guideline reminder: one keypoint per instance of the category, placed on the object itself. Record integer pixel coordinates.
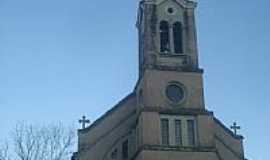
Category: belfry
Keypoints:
(164, 117)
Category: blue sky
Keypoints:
(60, 59)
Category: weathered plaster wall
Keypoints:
(173, 155)
(154, 84)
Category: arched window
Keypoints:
(178, 37)
(164, 37)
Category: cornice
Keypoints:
(177, 69)
(172, 148)
(185, 3)
(173, 111)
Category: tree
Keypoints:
(50, 142)
(4, 154)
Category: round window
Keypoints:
(175, 93)
(170, 10)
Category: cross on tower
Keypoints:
(83, 121)
(235, 127)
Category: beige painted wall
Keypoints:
(154, 85)
(173, 155)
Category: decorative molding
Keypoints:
(190, 4)
(178, 148)
(172, 148)
(173, 111)
(219, 156)
(148, 1)
(119, 139)
(172, 68)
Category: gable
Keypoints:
(163, 13)
(106, 123)
(183, 3)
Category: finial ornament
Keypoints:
(235, 127)
(84, 121)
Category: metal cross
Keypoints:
(235, 127)
(83, 121)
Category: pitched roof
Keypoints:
(109, 112)
(228, 130)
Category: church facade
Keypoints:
(164, 118)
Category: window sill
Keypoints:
(178, 148)
(172, 55)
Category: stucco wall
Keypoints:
(172, 155)
(150, 128)
(154, 84)
(149, 124)
(205, 130)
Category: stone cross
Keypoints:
(83, 121)
(235, 127)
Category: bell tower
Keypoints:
(167, 35)
(169, 73)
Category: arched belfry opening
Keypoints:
(178, 38)
(164, 37)
(171, 38)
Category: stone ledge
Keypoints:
(173, 68)
(172, 148)
(183, 111)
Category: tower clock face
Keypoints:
(175, 93)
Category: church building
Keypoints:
(164, 117)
